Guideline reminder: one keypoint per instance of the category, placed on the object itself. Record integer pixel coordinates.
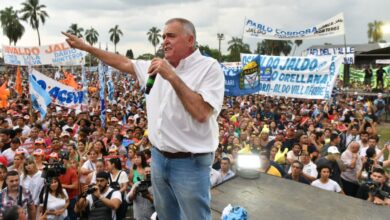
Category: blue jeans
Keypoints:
(181, 187)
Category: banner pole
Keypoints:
(243, 30)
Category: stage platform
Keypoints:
(275, 198)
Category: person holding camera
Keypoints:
(100, 201)
(142, 198)
(375, 187)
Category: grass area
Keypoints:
(384, 132)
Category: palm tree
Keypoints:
(237, 46)
(75, 30)
(154, 37)
(11, 25)
(375, 33)
(274, 47)
(34, 13)
(115, 35)
(91, 36)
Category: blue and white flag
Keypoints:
(110, 86)
(84, 83)
(40, 99)
(102, 70)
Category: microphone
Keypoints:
(150, 83)
(152, 78)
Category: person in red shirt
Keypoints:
(70, 182)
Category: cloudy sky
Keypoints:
(136, 17)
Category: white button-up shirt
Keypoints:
(171, 128)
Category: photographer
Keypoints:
(100, 200)
(141, 196)
(376, 188)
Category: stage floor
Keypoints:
(275, 198)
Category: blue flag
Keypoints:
(40, 99)
(102, 71)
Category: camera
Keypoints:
(55, 168)
(91, 189)
(144, 186)
(375, 189)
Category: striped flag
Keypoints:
(40, 99)
(102, 71)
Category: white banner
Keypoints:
(298, 77)
(63, 95)
(54, 54)
(382, 61)
(331, 27)
(348, 56)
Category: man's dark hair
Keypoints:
(11, 213)
(11, 173)
(374, 137)
(363, 132)
(299, 163)
(18, 130)
(378, 170)
(226, 158)
(119, 137)
(333, 136)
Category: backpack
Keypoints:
(115, 185)
(121, 211)
(380, 105)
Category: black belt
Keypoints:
(180, 155)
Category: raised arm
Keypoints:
(117, 61)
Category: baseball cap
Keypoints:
(65, 133)
(112, 148)
(114, 119)
(39, 141)
(333, 150)
(38, 152)
(21, 151)
(54, 155)
(103, 175)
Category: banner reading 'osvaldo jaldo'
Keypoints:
(54, 54)
(331, 27)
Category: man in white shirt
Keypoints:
(363, 142)
(225, 171)
(10, 152)
(21, 124)
(182, 107)
(309, 170)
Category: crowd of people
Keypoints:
(332, 145)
